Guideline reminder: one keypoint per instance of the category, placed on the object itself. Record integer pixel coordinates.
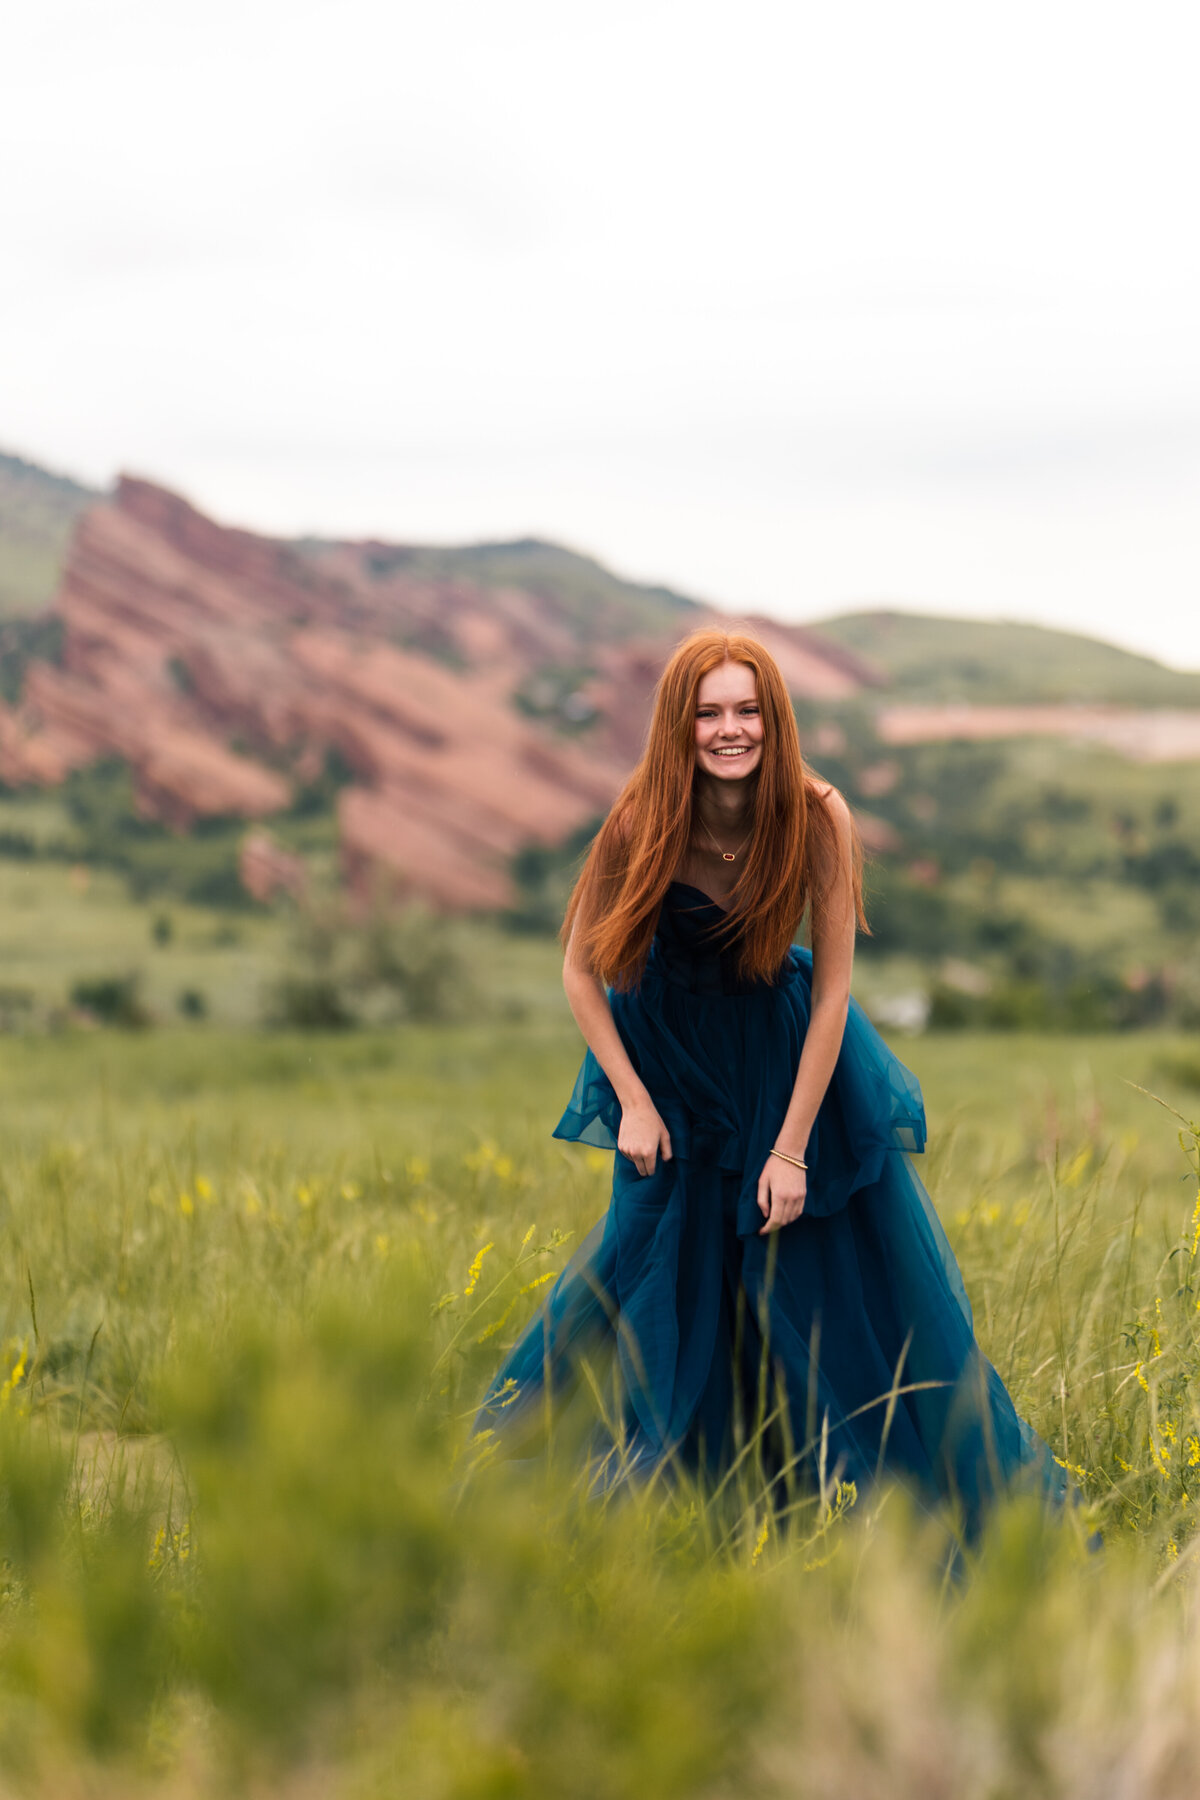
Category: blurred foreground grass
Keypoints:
(251, 1288)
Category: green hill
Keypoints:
(38, 511)
(594, 602)
(1027, 882)
(940, 659)
(927, 657)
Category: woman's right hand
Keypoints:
(643, 1137)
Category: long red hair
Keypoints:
(793, 849)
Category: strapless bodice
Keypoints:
(691, 950)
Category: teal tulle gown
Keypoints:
(849, 1330)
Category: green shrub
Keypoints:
(391, 964)
(111, 999)
(309, 1003)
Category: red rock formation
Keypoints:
(212, 659)
(815, 668)
(387, 844)
(267, 869)
(1143, 736)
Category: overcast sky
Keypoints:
(797, 307)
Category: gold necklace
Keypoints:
(725, 855)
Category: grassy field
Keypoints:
(251, 1287)
(64, 923)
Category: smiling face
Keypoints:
(729, 733)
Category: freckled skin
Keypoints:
(727, 718)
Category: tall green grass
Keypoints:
(250, 1292)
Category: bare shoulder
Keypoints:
(835, 804)
(833, 853)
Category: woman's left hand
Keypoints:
(782, 1189)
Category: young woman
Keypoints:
(769, 1257)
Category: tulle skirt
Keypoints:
(845, 1339)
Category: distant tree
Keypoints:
(112, 1000)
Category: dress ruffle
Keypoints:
(857, 1307)
(724, 1064)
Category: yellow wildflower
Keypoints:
(203, 1188)
(16, 1376)
(1074, 1171)
(496, 1324)
(1192, 1446)
(476, 1266)
(180, 1545)
(1142, 1382)
(499, 1324)
(760, 1543)
(186, 1205)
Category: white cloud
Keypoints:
(797, 306)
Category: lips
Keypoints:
(730, 751)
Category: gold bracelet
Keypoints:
(794, 1160)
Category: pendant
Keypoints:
(729, 856)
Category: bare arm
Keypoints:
(782, 1188)
(642, 1137)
